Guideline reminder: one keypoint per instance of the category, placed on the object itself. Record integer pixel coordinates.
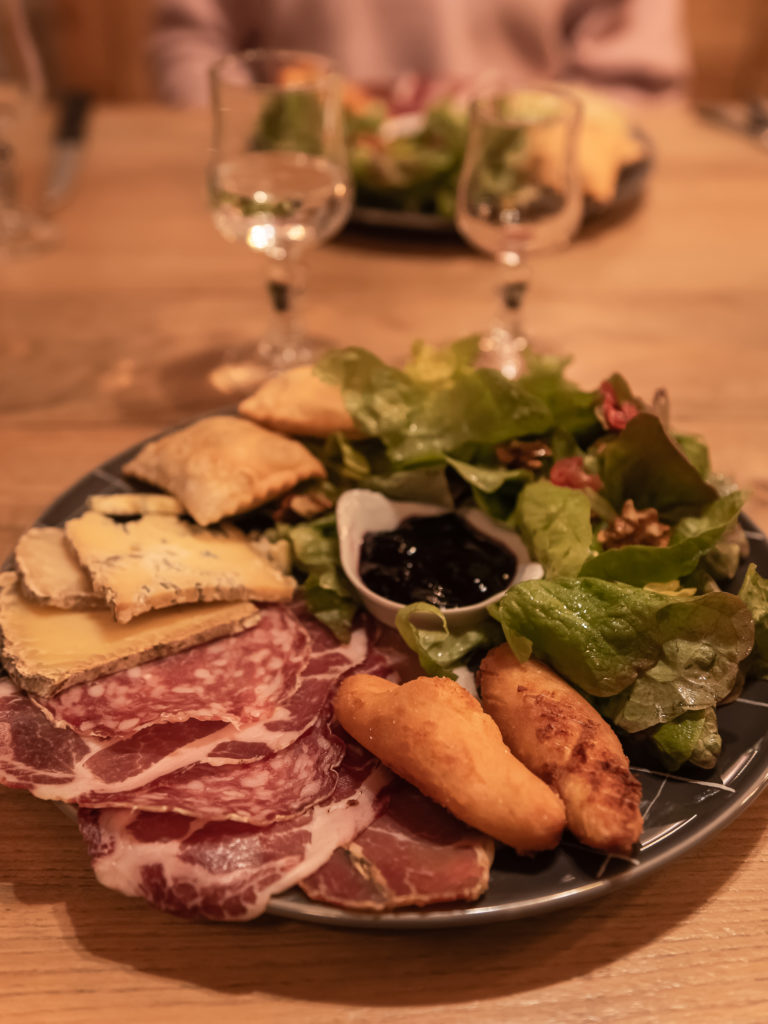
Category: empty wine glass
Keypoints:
(25, 123)
(518, 193)
(279, 183)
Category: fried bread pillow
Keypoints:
(435, 735)
(560, 737)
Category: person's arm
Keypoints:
(187, 37)
(639, 45)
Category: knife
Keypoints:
(67, 147)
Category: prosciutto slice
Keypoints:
(413, 854)
(162, 768)
(228, 871)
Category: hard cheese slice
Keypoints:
(159, 560)
(46, 649)
(50, 573)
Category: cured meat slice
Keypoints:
(227, 871)
(279, 676)
(162, 767)
(413, 854)
(257, 792)
(237, 679)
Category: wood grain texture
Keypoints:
(104, 341)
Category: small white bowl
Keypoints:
(361, 511)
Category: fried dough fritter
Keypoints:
(563, 740)
(436, 736)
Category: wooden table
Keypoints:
(104, 340)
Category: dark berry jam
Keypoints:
(439, 559)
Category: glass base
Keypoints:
(242, 370)
(500, 350)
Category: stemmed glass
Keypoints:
(518, 193)
(279, 183)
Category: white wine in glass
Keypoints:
(279, 183)
(518, 193)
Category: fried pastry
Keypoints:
(223, 465)
(435, 735)
(298, 401)
(563, 740)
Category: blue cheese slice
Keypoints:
(160, 560)
(45, 649)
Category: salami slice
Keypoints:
(227, 871)
(413, 854)
(239, 679)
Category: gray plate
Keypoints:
(680, 810)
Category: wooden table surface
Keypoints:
(105, 339)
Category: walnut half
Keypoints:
(635, 526)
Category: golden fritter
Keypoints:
(563, 740)
(435, 735)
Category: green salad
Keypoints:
(639, 607)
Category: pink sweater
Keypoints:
(635, 45)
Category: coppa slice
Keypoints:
(47, 649)
(160, 560)
(228, 871)
(144, 773)
(58, 764)
(414, 854)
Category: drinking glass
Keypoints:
(279, 183)
(25, 123)
(518, 193)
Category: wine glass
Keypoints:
(25, 123)
(279, 183)
(518, 192)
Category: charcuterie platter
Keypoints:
(228, 779)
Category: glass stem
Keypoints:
(285, 286)
(513, 291)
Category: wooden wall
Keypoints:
(97, 46)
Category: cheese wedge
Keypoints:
(160, 560)
(50, 572)
(45, 650)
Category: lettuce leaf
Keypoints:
(656, 655)
(424, 628)
(644, 463)
(754, 593)
(424, 414)
(555, 524)
(693, 737)
(327, 591)
(693, 536)
(572, 409)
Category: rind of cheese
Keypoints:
(297, 401)
(134, 503)
(158, 561)
(49, 571)
(223, 465)
(45, 650)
